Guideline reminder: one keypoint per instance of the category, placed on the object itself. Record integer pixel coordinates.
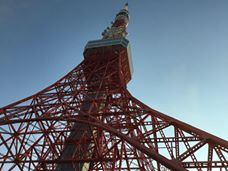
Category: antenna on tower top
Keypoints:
(126, 6)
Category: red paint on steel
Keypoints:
(89, 119)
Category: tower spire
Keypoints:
(119, 25)
(126, 6)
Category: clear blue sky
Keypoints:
(179, 48)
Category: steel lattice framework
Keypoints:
(89, 121)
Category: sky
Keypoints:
(179, 51)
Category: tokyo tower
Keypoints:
(89, 121)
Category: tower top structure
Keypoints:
(119, 25)
(113, 43)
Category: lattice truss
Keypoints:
(69, 125)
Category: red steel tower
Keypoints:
(88, 121)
